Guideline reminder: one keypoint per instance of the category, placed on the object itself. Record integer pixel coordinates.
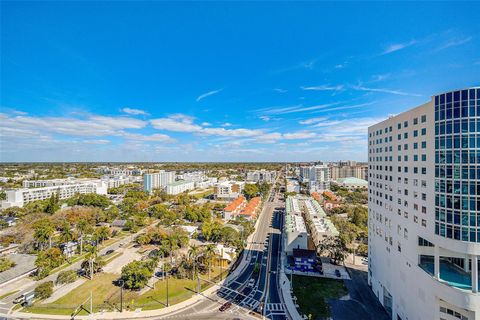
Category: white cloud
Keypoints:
(455, 42)
(134, 111)
(299, 135)
(226, 124)
(339, 87)
(293, 109)
(207, 94)
(398, 46)
(384, 90)
(312, 120)
(279, 90)
(170, 124)
(97, 141)
(206, 124)
(157, 137)
(91, 126)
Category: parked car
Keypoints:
(225, 306)
(251, 282)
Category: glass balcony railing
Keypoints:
(449, 273)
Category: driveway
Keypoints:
(129, 255)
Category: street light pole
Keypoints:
(121, 294)
(166, 275)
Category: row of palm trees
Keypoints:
(205, 254)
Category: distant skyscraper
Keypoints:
(424, 209)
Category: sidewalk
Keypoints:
(170, 311)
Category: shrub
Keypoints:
(6, 264)
(67, 276)
(44, 290)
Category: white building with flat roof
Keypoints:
(261, 176)
(178, 187)
(19, 197)
(157, 180)
(424, 204)
(294, 228)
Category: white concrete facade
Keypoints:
(178, 187)
(157, 180)
(18, 197)
(417, 268)
(295, 228)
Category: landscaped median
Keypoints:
(106, 295)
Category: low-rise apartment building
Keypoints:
(228, 189)
(19, 197)
(178, 187)
(294, 227)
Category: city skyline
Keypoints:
(221, 81)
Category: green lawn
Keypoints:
(312, 294)
(106, 296)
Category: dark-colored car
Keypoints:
(337, 273)
(109, 252)
(225, 306)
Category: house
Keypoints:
(234, 208)
(69, 248)
(251, 209)
(119, 224)
(10, 221)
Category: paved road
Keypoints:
(363, 304)
(254, 291)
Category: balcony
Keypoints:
(450, 273)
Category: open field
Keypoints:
(313, 293)
(106, 296)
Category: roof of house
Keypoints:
(232, 206)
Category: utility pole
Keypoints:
(91, 302)
(198, 284)
(91, 268)
(121, 294)
(166, 275)
(221, 266)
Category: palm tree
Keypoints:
(66, 235)
(209, 253)
(44, 231)
(193, 253)
(102, 233)
(83, 227)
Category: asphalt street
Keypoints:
(254, 291)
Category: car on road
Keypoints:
(109, 252)
(337, 273)
(24, 298)
(225, 306)
(251, 283)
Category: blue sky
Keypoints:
(212, 81)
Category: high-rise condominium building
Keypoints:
(348, 169)
(157, 180)
(424, 209)
(318, 177)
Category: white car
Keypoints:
(251, 283)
